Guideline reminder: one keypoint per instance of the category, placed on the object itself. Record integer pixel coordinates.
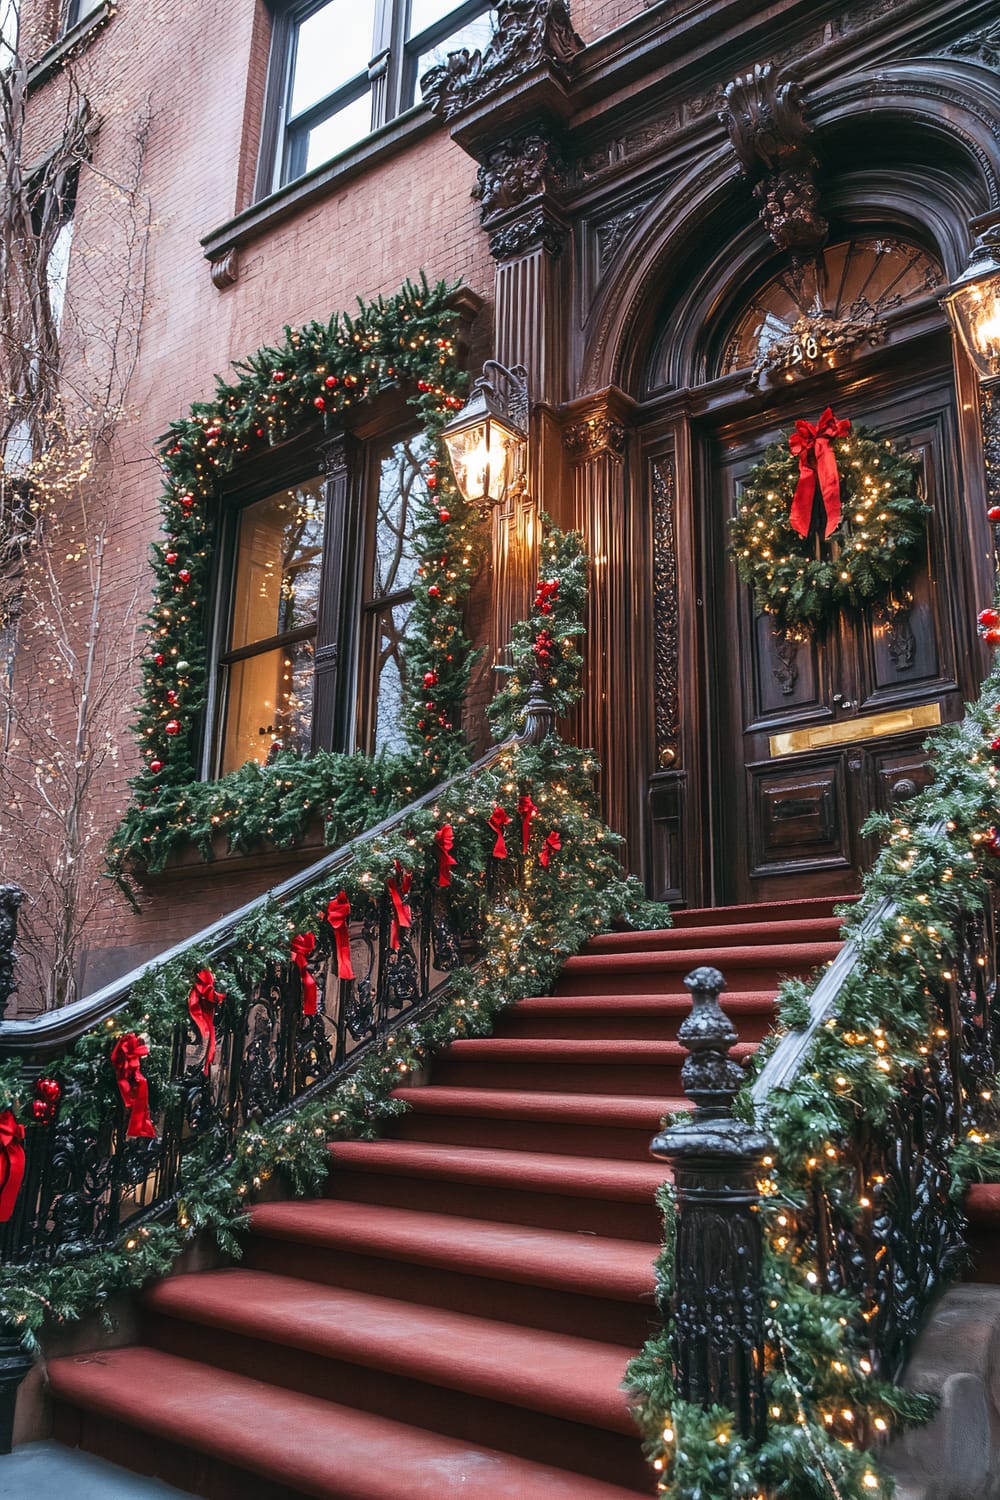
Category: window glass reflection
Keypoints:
(278, 561)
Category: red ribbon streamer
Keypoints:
(551, 846)
(809, 442)
(498, 822)
(338, 914)
(528, 810)
(398, 887)
(11, 1163)
(202, 1001)
(302, 946)
(126, 1059)
(445, 841)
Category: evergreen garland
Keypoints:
(316, 373)
(825, 1405)
(804, 582)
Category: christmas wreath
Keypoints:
(829, 519)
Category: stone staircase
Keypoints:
(455, 1317)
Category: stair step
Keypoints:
(731, 934)
(583, 1066)
(766, 911)
(301, 1443)
(542, 1278)
(577, 1379)
(521, 1187)
(746, 967)
(640, 1017)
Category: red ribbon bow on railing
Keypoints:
(338, 914)
(398, 886)
(545, 595)
(444, 839)
(809, 442)
(126, 1059)
(527, 810)
(551, 846)
(303, 945)
(11, 1163)
(201, 1003)
(498, 822)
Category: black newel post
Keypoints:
(717, 1304)
(11, 897)
(14, 1365)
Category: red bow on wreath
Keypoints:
(398, 887)
(814, 443)
(338, 914)
(11, 1163)
(126, 1059)
(551, 846)
(201, 1003)
(498, 822)
(303, 944)
(444, 839)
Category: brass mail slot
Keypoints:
(924, 716)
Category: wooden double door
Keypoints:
(811, 736)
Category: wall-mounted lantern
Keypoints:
(486, 440)
(972, 303)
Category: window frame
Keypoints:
(390, 75)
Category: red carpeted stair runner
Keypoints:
(455, 1319)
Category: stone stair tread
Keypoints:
(655, 1004)
(595, 1265)
(771, 956)
(326, 1451)
(626, 1110)
(732, 934)
(765, 911)
(576, 1049)
(578, 1379)
(529, 1171)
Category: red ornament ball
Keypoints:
(993, 514)
(279, 375)
(172, 726)
(431, 481)
(434, 592)
(330, 382)
(171, 696)
(187, 501)
(170, 558)
(992, 635)
(430, 679)
(156, 766)
(320, 403)
(159, 658)
(49, 1089)
(444, 516)
(184, 575)
(988, 617)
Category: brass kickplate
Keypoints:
(873, 727)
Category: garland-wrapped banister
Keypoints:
(816, 1212)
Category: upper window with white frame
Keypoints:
(342, 68)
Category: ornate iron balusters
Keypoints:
(717, 1300)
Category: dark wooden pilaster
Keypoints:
(336, 632)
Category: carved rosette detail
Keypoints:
(666, 687)
(595, 436)
(528, 34)
(534, 231)
(764, 115)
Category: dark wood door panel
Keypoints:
(799, 817)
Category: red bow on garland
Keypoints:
(498, 822)
(338, 914)
(445, 841)
(527, 810)
(11, 1163)
(551, 846)
(201, 1003)
(546, 595)
(809, 442)
(398, 887)
(303, 945)
(126, 1059)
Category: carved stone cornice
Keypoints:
(516, 170)
(528, 34)
(764, 114)
(982, 46)
(534, 230)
